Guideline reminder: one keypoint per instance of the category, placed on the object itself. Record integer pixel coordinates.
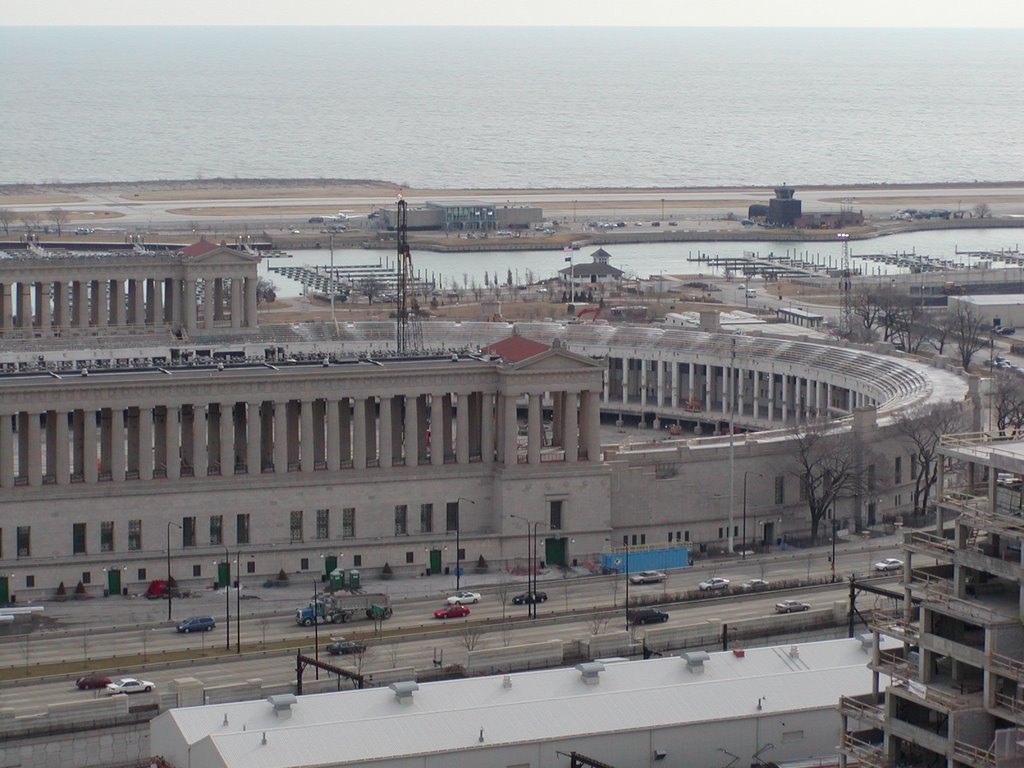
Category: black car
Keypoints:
(530, 597)
(339, 647)
(647, 616)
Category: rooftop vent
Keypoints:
(590, 670)
(695, 661)
(506, 681)
(282, 704)
(404, 690)
(794, 652)
(866, 641)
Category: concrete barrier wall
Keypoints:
(680, 638)
(610, 644)
(492, 661)
(88, 749)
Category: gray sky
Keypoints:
(548, 13)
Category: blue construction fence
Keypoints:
(645, 560)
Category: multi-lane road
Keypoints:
(412, 638)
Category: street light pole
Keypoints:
(458, 533)
(529, 587)
(626, 544)
(227, 602)
(316, 631)
(170, 592)
(536, 562)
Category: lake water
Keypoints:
(479, 107)
(647, 259)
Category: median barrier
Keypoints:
(491, 661)
(690, 636)
(618, 643)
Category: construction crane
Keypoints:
(409, 334)
(845, 278)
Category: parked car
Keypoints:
(129, 685)
(92, 681)
(889, 564)
(530, 597)
(715, 582)
(646, 616)
(341, 647)
(464, 598)
(756, 584)
(647, 577)
(456, 611)
(791, 606)
(197, 624)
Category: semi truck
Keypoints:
(339, 608)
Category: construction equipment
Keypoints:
(409, 334)
(593, 312)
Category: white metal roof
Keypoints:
(992, 299)
(356, 726)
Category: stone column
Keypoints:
(208, 302)
(156, 299)
(785, 398)
(605, 387)
(118, 459)
(462, 429)
(25, 305)
(227, 439)
(6, 451)
(250, 302)
(43, 306)
(89, 472)
(571, 437)
(411, 439)
(487, 417)
(236, 302)
(174, 299)
(145, 443)
(6, 307)
(644, 363)
(625, 380)
(674, 379)
(280, 437)
(534, 430)
(200, 455)
(307, 455)
(386, 427)
(709, 383)
(510, 430)
(35, 447)
(741, 390)
(359, 434)
(332, 453)
(218, 298)
(188, 304)
(118, 309)
(345, 407)
(139, 302)
(253, 438)
(436, 430)
(592, 419)
(62, 452)
(172, 438)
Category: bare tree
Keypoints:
(28, 220)
(967, 332)
(866, 310)
(983, 210)
(598, 623)
(6, 217)
(59, 217)
(942, 331)
(1007, 402)
(371, 286)
(826, 464)
(471, 637)
(266, 291)
(922, 428)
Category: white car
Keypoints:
(130, 685)
(647, 577)
(464, 598)
(715, 582)
(889, 564)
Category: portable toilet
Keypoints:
(337, 579)
(353, 579)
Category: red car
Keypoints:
(456, 611)
(92, 681)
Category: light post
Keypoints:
(170, 590)
(626, 545)
(536, 563)
(531, 583)
(458, 548)
(316, 631)
(238, 601)
(227, 599)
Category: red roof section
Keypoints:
(198, 249)
(516, 348)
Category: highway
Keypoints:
(411, 638)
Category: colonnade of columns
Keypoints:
(51, 306)
(232, 436)
(729, 389)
